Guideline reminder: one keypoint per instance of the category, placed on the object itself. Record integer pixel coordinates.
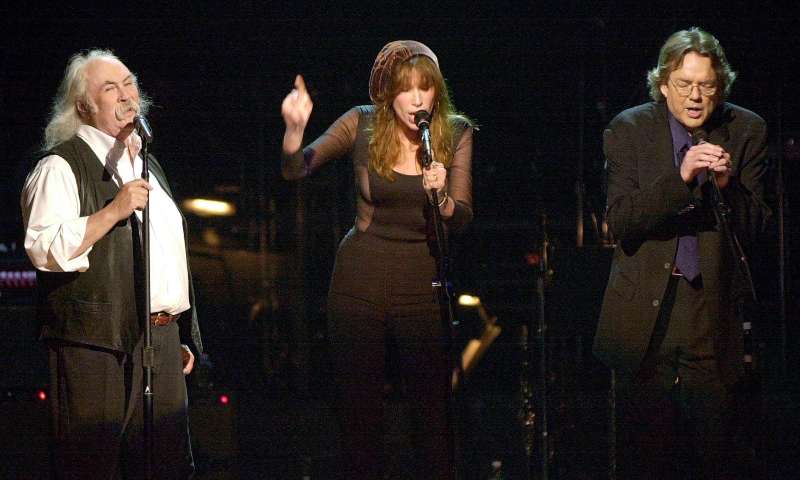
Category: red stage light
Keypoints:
(224, 399)
(41, 395)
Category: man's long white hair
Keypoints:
(65, 118)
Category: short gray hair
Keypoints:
(65, 119)
(676, 47)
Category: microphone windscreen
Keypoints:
(143, 127)
(699, 136)
(421, 117)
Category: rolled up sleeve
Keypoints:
(54, 228)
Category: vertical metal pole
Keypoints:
(541, 337)
(527, 412)
(148, 351)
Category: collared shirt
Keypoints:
(687, 260)
(54, 228)
(681, 138)
(682, 141)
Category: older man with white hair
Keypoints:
(81, 206)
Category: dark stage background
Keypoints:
(541, 81)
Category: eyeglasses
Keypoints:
(685, 88)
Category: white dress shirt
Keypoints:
(54, 228)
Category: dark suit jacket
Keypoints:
(649, 206)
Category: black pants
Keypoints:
(676, 419)
(97, 413)
(382, 312)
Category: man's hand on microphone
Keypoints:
(132, 196)
(722, 169)
(706, 156)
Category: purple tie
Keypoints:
(687, 259)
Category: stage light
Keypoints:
(224, 399)
(467, 300)
(476, 347)
(205, 207)
(41, 395)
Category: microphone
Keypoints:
(699, 136)
(423, 121)
(143, 128)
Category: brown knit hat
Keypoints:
(391, 54)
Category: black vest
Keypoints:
(100, 306)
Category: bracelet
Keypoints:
(441, 202)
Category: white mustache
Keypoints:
(123, 108)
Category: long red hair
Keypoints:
(384, 143)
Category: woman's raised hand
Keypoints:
(296, 107)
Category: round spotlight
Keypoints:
(466, 300)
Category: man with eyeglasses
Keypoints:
(668, 326)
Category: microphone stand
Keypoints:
(721, 212)
(148, 354)
(540, 327)
(443, 295)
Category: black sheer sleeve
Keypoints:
(459, 185)
(336, 142)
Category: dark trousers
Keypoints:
(383, 316)
(676, 419)
(97, 411)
